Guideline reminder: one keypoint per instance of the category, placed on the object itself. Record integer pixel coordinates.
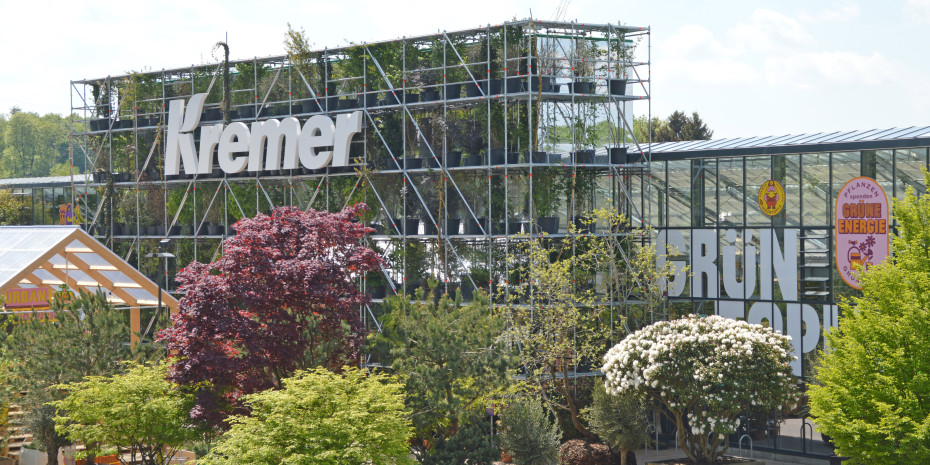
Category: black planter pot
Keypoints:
(515, 84)
(513, 158)
(395, 98)
(124, 124)
(582, 87)
(187, 230)
(411, 98)
(215, 229)
(540, 158)
(468, 291)
(143, 121)
(453, 158)
(452, 91)
(496, 87)
(378, 227)
(547, 224)
(542, 83)
(368, 100)
(585, 228)
(584, 157)
(129, 229)
(451, 226)
(410, 226)
(475, 90)
(474, 159)
(498, 156)
(149, 230)
(310, 106)
(429, 229)
(616, 86)
(174, 230)
(347, 103)
(247, 111)
(332, 103)
(378, 291)
(160, 230)
(117, 229)
(429, 95)
(514, 227)
(211, 114)
(230, 231)
(412, 163)
(617, 155)
(234, 114)
(473, 227)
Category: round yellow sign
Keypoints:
(771, 197)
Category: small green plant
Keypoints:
(619, 420)
(528, 435)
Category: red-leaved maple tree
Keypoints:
(283, 296)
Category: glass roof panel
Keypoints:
(21, 246)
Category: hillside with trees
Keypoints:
(33, 145)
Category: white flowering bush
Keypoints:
(705, 371)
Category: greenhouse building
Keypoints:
(464, 144)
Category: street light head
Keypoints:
(164, 244)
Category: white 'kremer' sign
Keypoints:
(316, 144)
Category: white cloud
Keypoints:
(770, 31)
(815, 69)
(723, 71)
(840, 11)
(918, 10)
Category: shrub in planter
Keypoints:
(705, 371)
(472, 442)
(527, 434)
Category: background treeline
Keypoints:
(33, 145)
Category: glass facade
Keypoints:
(776, 270)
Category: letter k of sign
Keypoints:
(180, 140)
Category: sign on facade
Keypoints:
(861, 228)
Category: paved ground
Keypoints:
(643, 457)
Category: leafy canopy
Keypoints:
(449, 356)
(619, 420)
(872, 395)
(320, 418)
(705, 371)
(87, 337)
(527, 434)
(282, 297)
(138, 409)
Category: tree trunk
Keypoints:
(623, 453)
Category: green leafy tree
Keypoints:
(87, 337)
(557, 315)
(11, 208)
(139, 410)
(619, 420)
(527, 434)
(872, 395)
(320, 418)
(32, 144)
(677, 127)
(450, 357)
(472, 442)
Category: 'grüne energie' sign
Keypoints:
(239, 147)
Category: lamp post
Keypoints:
(162, 253)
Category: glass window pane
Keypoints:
(679, 193)
(908, 165)
(758, 170)
(730, 188)
(815, 189)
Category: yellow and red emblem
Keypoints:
(771, 197)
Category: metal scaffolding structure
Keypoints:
(468, 139)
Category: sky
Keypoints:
(749, 68)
